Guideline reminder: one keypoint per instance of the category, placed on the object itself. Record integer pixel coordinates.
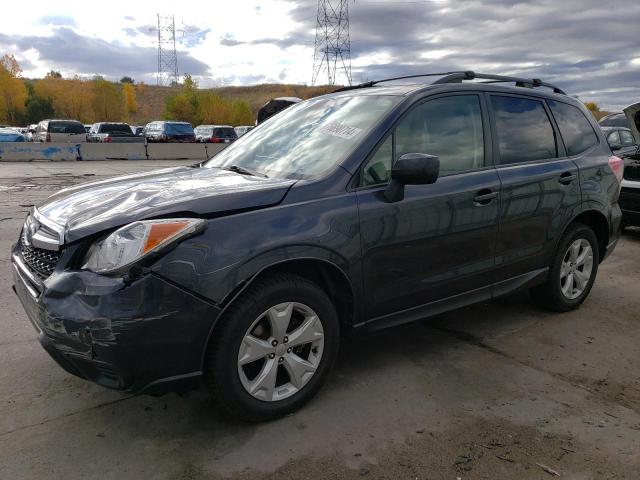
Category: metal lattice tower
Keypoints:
(167, 57)
(333, 45)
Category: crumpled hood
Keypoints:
(632, 113)
(92, 207)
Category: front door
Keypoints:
(438, 242)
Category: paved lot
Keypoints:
(495, 391)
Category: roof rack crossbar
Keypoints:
(460, 76)
(457, 77)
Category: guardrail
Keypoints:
(57, 152)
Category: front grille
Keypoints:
(42, 262)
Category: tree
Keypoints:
(241, 114)
(54, 74)
(129, 94)
(13, 92)
(107, 101)
(592, 107)
(184, 105)
(126, 79)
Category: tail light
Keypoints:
(616, 165)
(107, 140)
(48, 138)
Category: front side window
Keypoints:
(574, 127)
(450, 128)
(524, 130)
(626, 138)
(308, 138)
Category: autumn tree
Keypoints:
(54, 74)
(129, 94)
(107, 101)
(126, 79)
(13, 93)
(184, 104)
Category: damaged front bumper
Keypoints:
(148, 335)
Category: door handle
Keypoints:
(484, 197)
(567, 177)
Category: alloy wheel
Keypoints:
(280, 351)
(576, 268)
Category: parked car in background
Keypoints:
(362, 209)
(617, 119)
(63, 131)
(112, 132)
(275, 105)
(169, 132)
(11, 135)
(137, 129)
(240, 131)
(630, 193)
(87, 128)
(215, 134)
(621, 140)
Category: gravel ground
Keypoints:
(495, 391)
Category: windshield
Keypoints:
(308, 138)
(179, 129)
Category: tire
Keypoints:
(550, 295)
(251, 319)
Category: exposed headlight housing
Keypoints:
(133, 242)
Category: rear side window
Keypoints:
(574, 127)
(615, 120)
(524, 130)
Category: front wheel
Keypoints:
(572, 272)
(273, 349)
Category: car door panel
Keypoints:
(436, 243)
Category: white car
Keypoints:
(61, 131)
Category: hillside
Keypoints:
(151, 101)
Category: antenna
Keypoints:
(333, 45)
(167, 56)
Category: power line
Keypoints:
(332, 53)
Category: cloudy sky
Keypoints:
(589, 47)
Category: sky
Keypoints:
(591, 48)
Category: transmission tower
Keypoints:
(167, 57)
(333, 46)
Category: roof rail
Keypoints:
(459, 76)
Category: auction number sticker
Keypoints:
(340, 130)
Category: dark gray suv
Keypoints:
(373, 206)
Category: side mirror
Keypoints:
(411, 169)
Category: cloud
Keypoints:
(58, 20)
(230, 42)
(68, 51)
(130, 18)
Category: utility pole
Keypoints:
(167, 56)
(332, 54)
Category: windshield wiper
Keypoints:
(244, 171)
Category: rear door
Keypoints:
(540, 186)
(437, 242)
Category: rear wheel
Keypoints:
(274, 348)
(572, 272)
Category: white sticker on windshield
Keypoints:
(340, 130)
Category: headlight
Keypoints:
(135, 241)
